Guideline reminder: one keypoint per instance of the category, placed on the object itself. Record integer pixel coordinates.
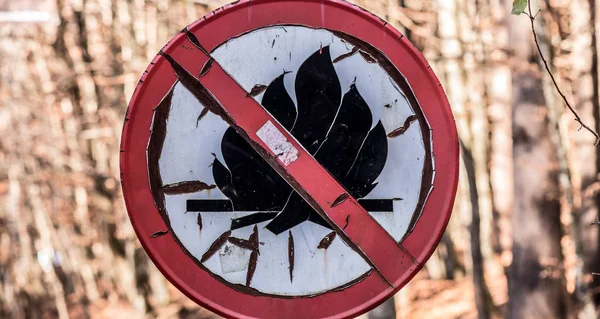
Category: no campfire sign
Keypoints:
(289, 159)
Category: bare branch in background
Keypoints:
(519, 8)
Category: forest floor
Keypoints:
(427, 298)
(451, 298)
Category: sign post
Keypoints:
(289, 159)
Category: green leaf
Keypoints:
(518, 6)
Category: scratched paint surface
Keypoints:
(191, 146)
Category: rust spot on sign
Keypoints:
(199, 222)
(347, 222)
(186, 187)
(251, 267)
(353, 282)
(291, 254)
(257, 89)
(194, 40)
(198, 89)
(253, 256)
(399, 131)
(246, 244)
(155, 147)
(346, 55)
(340, 200)
(216, 245)
(159, 233)
(369, 58)
(202, 114)
(207, 67)
(254, 239)
(326, 241)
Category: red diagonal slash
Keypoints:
(222, 95)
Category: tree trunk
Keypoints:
(499, 115)
(537, 288)
(482, 294)
(591, 176)
(461, 48)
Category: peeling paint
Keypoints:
(291, 254)
(346, 55)
(347, 222)
(369, 58)
(159, 233)
(340, 199)
(198, 90)
(251, 267)
(202, 114)
(256, 90)
(216, 245)
(326, 241)
(194, 40)
(253, 256)
(242, 243)
(186, 187)
(207, 67)
(254, 239)
(399, 131)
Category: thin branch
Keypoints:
(532, 17)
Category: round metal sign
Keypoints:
(289, 159)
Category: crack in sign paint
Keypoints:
(347, 222)
(202, 114)
(159, 233)
(327, 240)
(369, 58)
(253, 256)
(207, 67)
(199, 91)
(256, 90)
(216, 245)
(402, 129)
(340, 199)
(291, 254)
(242, 243)
(346, 55)
(186, 187)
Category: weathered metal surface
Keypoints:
(317, 65)
(294, 131)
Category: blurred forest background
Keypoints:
(521, 243)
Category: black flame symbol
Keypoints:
(336, 130)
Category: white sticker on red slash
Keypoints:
(277, 143)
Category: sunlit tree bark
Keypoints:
(536, 281)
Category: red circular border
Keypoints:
(233, 20)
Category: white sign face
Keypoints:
(243, 222)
